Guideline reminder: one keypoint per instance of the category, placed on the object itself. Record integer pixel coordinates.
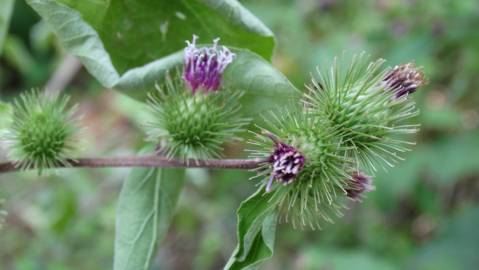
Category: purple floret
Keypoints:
(358, 186)
(404, 79)
(287, 163)
(204, 66)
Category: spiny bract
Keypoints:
(193, 125)
(350, 120)
(43, 133)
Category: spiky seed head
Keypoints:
(352, 100)
(404, 79)
(347, 121)
(204, 67)
(191, 125)
(43, 133)
(313, 195)
(358, 185)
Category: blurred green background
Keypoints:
(424, 213)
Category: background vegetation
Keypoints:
(424, 213)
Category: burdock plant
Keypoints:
(43, 133)
(310, 194)
(311, 156)
(359, 103)
(194, 116)
(351, 119)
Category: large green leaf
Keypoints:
(6, 8)
(264, 86)
(130, 44)
(257, 221)
(145, 208)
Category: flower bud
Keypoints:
(346, 121)
(404, 79)
(193, 126)
(204, 67)
(307, 161)
(358, 185)
(351, 100)
(43, 133)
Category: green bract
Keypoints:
(42, 134)
(191, 125)
(349, 121)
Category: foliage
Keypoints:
(421, 215)
(257, 221)
(145, 207)
(99, 33)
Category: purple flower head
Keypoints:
(204, 67)
(404, 79)
(287, 162)
(359, 184)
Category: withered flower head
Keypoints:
(358, 186)
(404, 79)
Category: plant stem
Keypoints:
(150, 161)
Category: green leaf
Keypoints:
(257, 221)
(145, 209)
(265, 87)
(129, 45)
(6, 8)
